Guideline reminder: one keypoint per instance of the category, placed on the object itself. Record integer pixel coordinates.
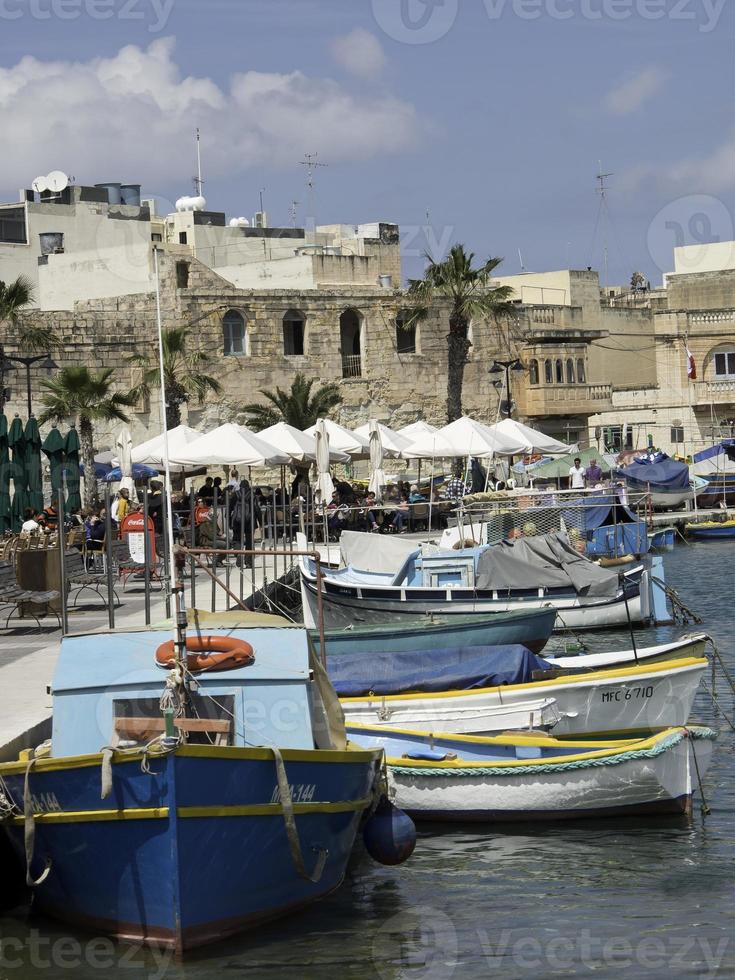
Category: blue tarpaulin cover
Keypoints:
(727, 446)
(590, 512)
(667, 473)
(454, 669)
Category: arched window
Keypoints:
(294, 333)
(581, 375)
(559, 371)
(233, 332)
(548, 375)
(570, 371)
(533, 372)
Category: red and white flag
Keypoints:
(691, 365)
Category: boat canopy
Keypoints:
(453, 669)
(375, 552)
(590, 512)
(661, 472)
(545, 561)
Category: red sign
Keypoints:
(132, 530)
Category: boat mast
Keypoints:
(176, 588)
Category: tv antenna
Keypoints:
(311, 163)
(293, 212)
(602, 190)
(198, 182)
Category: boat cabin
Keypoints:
(107, 690)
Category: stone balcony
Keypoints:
(565, 399)
(713, 393)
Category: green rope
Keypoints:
(544, 769)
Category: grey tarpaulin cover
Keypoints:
(375, 552)
(546, 561)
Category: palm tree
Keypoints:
(15, 298)
(77, 392)
(470, 297)
(184, 373)
(298, 407)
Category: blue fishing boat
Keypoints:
(179, 813)
(711, 530)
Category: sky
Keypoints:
(483, 122)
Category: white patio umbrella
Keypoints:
(416, 429)
(150, 453)
(377, 476)
(123, 449)
(534, 441)
(393, 443)
(470, 438)
(430, 445)
(341, 439)
(230, 445)
(323, 488)
(296, 444)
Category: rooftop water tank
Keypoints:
(191, 204)
(239, 223)
(130, 194)
(113, 192)
(52, 242)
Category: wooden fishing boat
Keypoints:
(691, 645)
(532, 628)
(711, 530)
(537, 778)
(624, 699)
(179, 822)
(533, 573)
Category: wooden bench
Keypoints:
(12, 595)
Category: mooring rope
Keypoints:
(682, 613)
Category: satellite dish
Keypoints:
(40, 184)
(57, 181)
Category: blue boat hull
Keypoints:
(197, 849)
(710, 533)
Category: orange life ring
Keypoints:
(208, 653)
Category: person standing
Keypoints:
(577, 475)
(593, 474)
(245, 515)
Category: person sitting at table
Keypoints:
(401, 514)
(97, 529)
(206, 492)
(369, 513)
(49, 519)
(414, 497)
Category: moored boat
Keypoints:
(180, 819)
(623, 699)
(532, 628)
(711, 530)
(531, 778)
(665, 480)
(531, 573)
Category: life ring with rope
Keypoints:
(208, 653)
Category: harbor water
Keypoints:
(617, 898)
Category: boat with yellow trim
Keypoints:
(710, 530)
(539, 778)
(641, 697)
(179, 821)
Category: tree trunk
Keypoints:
(175, 398)
(457, 349)
(86, 444)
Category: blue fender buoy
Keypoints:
(389, 834)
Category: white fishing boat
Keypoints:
(533, 573)
(692, 645)
(633, 698)
(529, 778)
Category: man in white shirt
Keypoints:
(577, 474)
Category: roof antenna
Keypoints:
(520, 257)
(310, 162)
(293, 212)
(602, 191)
(198, 182)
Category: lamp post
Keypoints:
(507, 366)
(6, 364)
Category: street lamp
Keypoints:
(507, 366)
(6, 364)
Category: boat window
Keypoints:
(138, 720)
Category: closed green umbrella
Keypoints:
(53, 447)
(33, 465)
(71, 452)
(18, 474)
(4, 477)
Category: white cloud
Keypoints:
(635, 92)
(360, 53)
(134, 115)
